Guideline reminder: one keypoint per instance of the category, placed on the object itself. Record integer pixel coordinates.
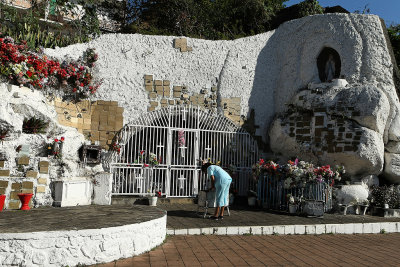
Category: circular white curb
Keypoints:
(62, 248)
(310, 229)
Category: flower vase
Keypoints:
(25, 198)
(153, 201)
(2, 200)
(292, 208)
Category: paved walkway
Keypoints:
(184, 216)
(291, 250)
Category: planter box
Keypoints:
(73, 193)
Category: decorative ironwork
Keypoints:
(180, 136)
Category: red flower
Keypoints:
(62, 138)
(29, 73)
(141, 152)
(74, 90)
(146, 165)
(81, 85)
(56, 140)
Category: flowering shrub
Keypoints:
(381, 195)
(181, 138)
(298, 173)
(23, 67)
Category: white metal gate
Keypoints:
(178, 136)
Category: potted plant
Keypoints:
(25, 197)
(251, 198)
(153, 199)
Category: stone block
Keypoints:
(177, 88)
(40, 189)
(14, 195)
(171, 102)
(151, 109)
(27, 191)
(319, 120)
(27, 185)
(42, 181)
(14, 205)
(160, 93)
(167, 93)
(166, 83)
(3, 184)
(164, 101)
(23, 161)
(5, 173)
(43, 169)
(184, 49)
(148, 82)
(2, 191)
(185, 96)
(177, 94)
(164, 105)
(189, 49)
(16, 186)
(31, 174)
(153, 95)
(153, 103)
(2, 163)
(148, 77)
(149, 88)
(158, 82)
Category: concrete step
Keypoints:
(127, 200)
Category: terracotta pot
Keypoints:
(2, 200)
(25, 200)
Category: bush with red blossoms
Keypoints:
(23, 67)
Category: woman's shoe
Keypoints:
(214, 218)
(220, 217)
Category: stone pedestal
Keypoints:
(73, 192)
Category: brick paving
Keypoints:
(184, 216)
(289, 250)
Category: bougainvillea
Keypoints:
(23, 67)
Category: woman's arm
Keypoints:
(212, 182)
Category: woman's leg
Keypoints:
(225, 194)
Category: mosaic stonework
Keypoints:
(163, 94)
(98, 121)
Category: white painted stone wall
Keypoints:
(70, 248)
(265, 70)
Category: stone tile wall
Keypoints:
(97, 121)
(34, 181)
(162, 94)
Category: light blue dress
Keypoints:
(222, 182)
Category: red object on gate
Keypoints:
(2, 200)
(25, 200)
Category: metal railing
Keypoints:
(180, 136)
(272, 194)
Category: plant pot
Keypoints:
(2, 200)
(153, 201)
(292, 208)
(251, 201)
(25, 200)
